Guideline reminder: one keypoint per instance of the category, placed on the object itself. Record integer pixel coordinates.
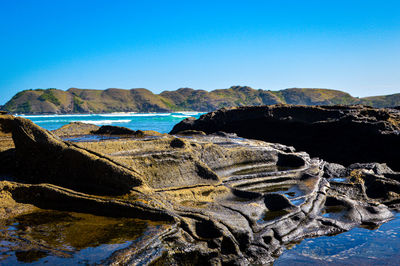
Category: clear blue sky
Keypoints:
(164, 45)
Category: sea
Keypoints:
(161, 122)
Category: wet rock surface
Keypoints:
(339, 134)
(223, 199)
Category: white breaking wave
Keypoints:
(181, 116)
(53, 121)
(134, 114)
(190, 113)
(104, 122)
(117, 114)
(154, 114)
(60, 116)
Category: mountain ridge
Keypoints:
(75, 100)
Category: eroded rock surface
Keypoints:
(225, 199)
(78, 131)
(75, 129)
(341, 134)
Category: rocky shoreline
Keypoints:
(222, 198)
(340, 134)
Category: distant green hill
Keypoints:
(53, 101)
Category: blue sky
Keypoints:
(165, 45)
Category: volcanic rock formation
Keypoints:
(225, 199)
(340, 134)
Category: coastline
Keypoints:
(162, 122)
(228, 198)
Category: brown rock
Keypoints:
(75, 129)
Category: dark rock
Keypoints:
(289, 160)
(139, 133)
(377, 168)
(114, 130)
(340, 134)
(334, 170)
(177, 143)
(7, 162)
(249, 195)
(190, 132)
(123, 131)
(277, 202)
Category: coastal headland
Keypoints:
(74, 100)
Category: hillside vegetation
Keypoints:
(53, 101)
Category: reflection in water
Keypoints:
(65, 237)
(339, 179)
(264, 169)
(359, 246)
(334, 212)
(85, 138)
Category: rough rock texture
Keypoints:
(229, 200)
(114, 130)
(43, 157)
(338, 134)
(75, 129)
(123, 131)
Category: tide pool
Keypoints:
(161, 122)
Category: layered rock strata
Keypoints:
(226, 200)
(340, 134)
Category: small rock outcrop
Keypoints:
(340, 134)
(75, 129)
(80, 131)
(114, 130)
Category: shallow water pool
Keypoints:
(359, 246)
(68, 238)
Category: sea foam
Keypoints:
(104, 122)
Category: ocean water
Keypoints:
(161, 122)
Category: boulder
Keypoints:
(123, 131)
(114, 130)
(75, 129)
